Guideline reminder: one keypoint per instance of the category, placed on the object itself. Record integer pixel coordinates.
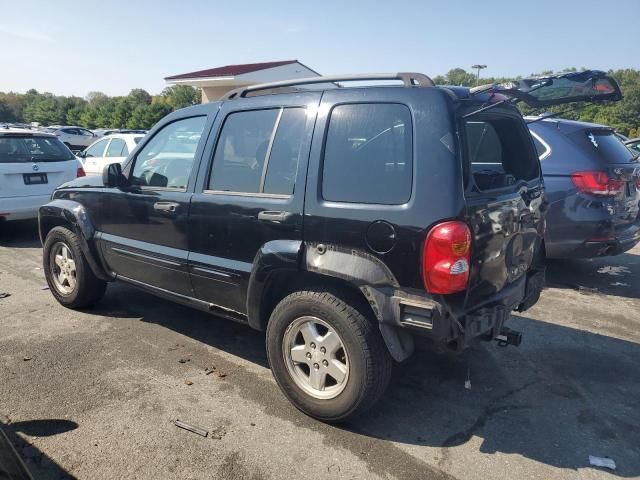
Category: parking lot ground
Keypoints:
(93, 394)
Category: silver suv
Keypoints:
(76, 138)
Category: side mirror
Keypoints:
(112, 176)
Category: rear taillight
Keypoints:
(80, 172)
(445, 258)
(638, 183)
(597, 183)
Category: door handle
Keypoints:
(166, 207)
(273, 216)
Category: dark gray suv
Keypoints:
(592, 183)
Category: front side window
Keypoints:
(115, 148)
(166, 161)
(258, 151)
(368, 156)
(97, 149)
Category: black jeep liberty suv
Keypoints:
(344, 222)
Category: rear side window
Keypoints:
(498, 153)
(32, 149)
(541, 148)
(368, 155)
(258, 152)
(115, 148)
(604, 144)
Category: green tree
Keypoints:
(6, 112)
(180, 96)
(138, 96)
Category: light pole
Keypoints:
(478, 67)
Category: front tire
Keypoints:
(327, 355)
(68, 274)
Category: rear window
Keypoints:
(368, 154)
(605, 144)
(21, 149)
(498, 153)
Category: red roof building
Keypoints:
(215, 82)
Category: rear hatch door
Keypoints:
(557, 89)
(504, 199)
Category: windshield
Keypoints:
(605, 144)
(21, 149)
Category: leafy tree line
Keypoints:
(138, 110)
(624, 116)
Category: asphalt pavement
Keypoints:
(94, 394)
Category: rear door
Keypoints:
(251, 193)
(33, 165)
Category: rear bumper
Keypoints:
(458, 328)
(21, 208)
(596, 245)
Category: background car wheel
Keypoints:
(327, 355)
(67, 272)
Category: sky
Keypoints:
(75, 47)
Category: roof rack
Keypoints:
(409, 79)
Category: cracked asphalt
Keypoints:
(93, 394)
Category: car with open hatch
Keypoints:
(344, 222)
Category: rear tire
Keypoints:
(68, 274)
(304, 373)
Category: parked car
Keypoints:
(103, 132)
(634, 145)
(76, 138)
(593, 186)
(32, 165)
(110, 149)
(342, 221)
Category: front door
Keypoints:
(251, 194)
(144, 227)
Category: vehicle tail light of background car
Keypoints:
(80, 172)
(445, 258)
(597, 183)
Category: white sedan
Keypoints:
(32, 165)
(110, 149)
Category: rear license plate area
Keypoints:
(35, 178)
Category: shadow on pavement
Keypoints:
(19, 234)
(39, 465)
(563, 395)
